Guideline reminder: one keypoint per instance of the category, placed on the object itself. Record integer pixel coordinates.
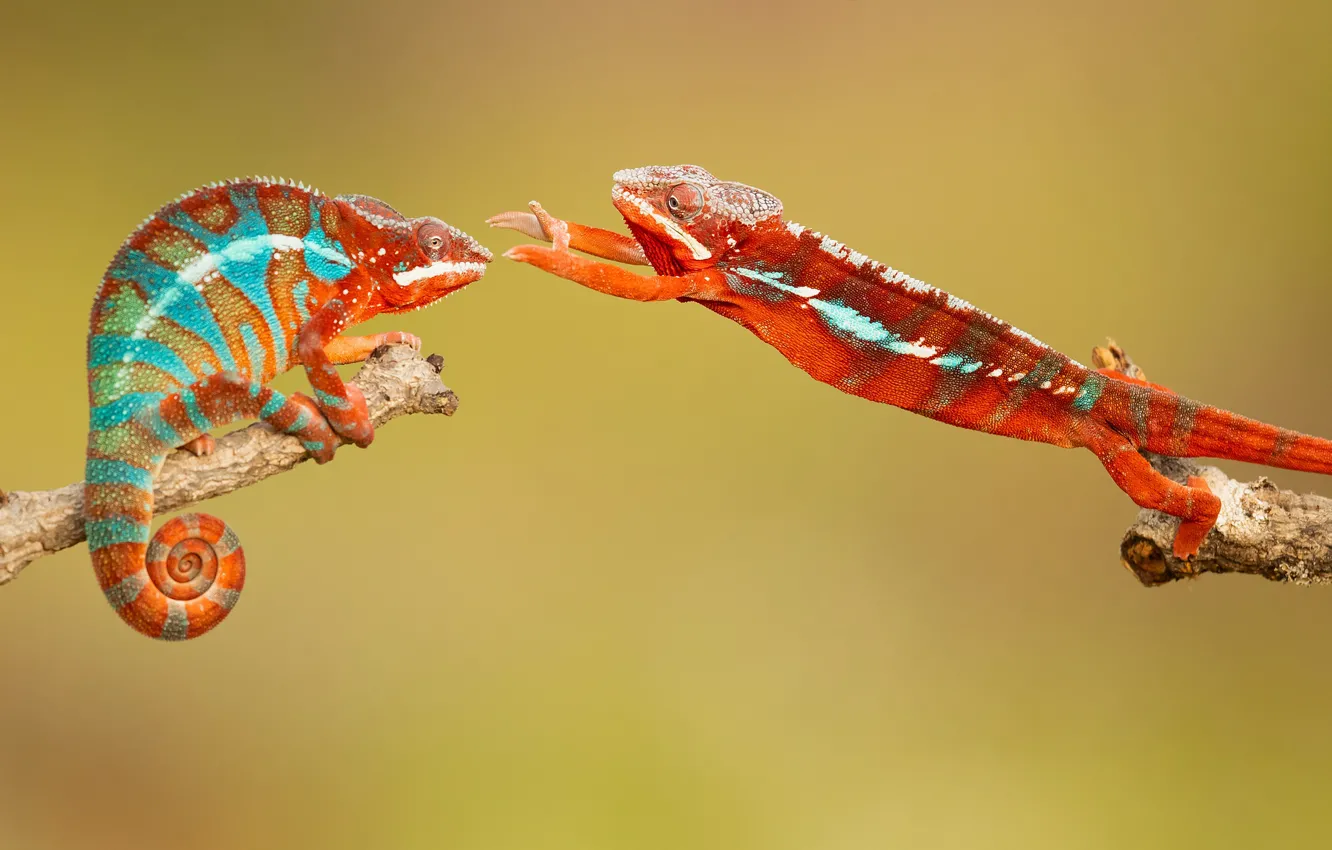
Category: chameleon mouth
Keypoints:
(656, 222)
(438, 268)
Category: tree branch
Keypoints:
(1262, 530)
(396, 382)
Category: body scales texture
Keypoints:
(204, 304)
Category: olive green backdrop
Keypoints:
(652, 587)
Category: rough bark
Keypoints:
(396, 381)
(1262, 530)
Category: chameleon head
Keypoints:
(415, 261)
(692, 214)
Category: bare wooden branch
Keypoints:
(396, 381)
(1262, 530)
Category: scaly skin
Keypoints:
(872, 331)
(209, 300)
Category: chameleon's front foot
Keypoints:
(398, 338)
(356, 349)
(537, 224)
(201, 446)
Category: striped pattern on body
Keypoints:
(893, 339)
(207, 301)
(214, 288)
(875, 332)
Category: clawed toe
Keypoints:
(201, 446)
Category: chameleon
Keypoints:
(875, 332)
(205, 303)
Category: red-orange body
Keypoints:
(205, 303)
(875, 332)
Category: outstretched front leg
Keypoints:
(539, 224)
(612, 280)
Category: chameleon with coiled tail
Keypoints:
(205, 303)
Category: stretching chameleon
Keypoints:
(207, 301)
(872, 331)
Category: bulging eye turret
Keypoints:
(433, 240)
(685, 201)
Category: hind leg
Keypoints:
(1195, 505)
(184, 417)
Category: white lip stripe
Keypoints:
(678, 233)
(438, 267)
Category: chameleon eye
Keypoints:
(433, 239)
(685, 201)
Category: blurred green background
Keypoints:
(652, 587)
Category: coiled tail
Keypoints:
(177, 585)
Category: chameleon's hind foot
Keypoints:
(201, 446)
(1192, 533)
(350, 417)
(1194, 503)
(301, 417)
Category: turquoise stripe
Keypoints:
(302, 419)
(1089, 392)
(255, 350)
(106, 350)
(192, 409)
(181, 221)
(103, 471)
(170, 297)
(108, 532)
(250, 220)
(301, 292)
(154, 279)
(248, 272)
(272, 406)
(162, 430)
(324, 257)
(862, 327)
(332, 401)
(123, 409)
